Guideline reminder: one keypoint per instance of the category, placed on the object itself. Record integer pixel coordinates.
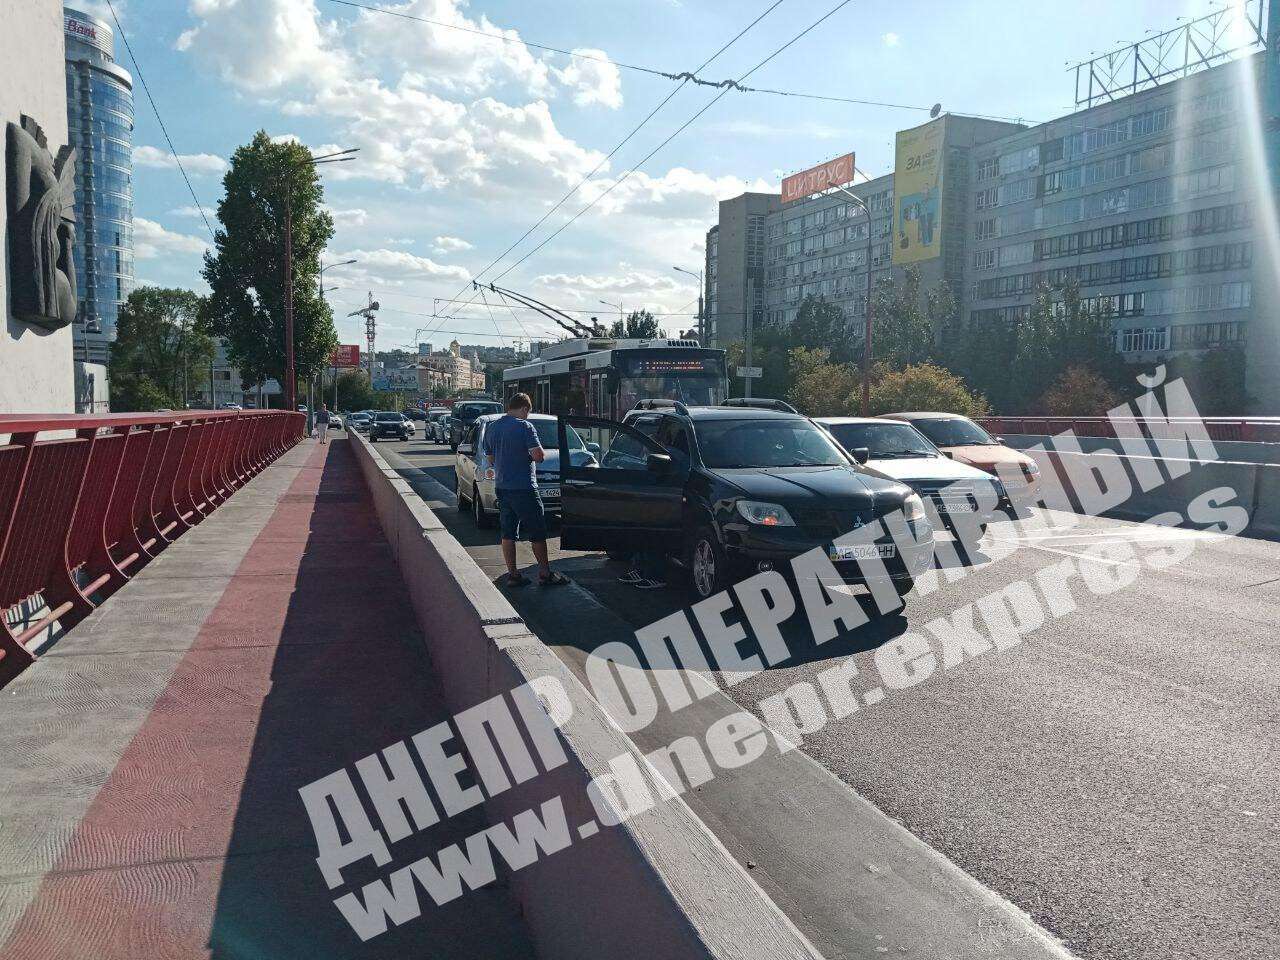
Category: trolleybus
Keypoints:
(604, 377)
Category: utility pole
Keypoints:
(750, 333)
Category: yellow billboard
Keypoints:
(917, 193)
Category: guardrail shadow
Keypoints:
(349, 675)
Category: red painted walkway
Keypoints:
(196, 844)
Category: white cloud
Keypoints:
(351, 217)
(592, 81)
(891, 40)
(627, 284)
(190, 210)
(679, 194)
(193, 163)
(398, 266)
(450, 245)
(150, 241)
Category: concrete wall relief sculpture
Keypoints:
(41, 196)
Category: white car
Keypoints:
(475, 475)
(901, 452)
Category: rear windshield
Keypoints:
(953, 432)
(734, 444)
(472, 410)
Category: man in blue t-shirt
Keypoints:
(513, 447)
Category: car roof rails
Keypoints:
(760, 403)
(661, 404)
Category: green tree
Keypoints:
(246, 270)
(639, 325)
(901, 330)
(162, 350)
(1216, 379)
(924, 386)
(819, 387)
(138, 393)
(1078, 392)
(820, 325)
(354, 392)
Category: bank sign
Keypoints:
(87, 32)
(824, 176)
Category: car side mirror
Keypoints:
(948, 454)
(658, 463)
(593, 449)
(466, 449)
(999, 439)
(861, 454)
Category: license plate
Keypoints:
(549, 493)
(954, 506)
(863, 551)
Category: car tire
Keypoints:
(904, 586)
(708, 565)
(478, 513)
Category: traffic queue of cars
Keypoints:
(746, 486)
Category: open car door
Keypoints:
(619, 490)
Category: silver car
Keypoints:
(435, 426)
(475, 475)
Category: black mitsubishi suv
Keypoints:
(731, 490)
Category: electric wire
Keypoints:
(137, 68)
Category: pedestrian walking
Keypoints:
(513, 447)
(322, 423)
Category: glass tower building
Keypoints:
(100, 123)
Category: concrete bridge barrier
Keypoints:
(658, 885)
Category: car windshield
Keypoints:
(733, 444)
(472, 410)
(953, 432)
(389, 418)
(546, 430)
(883, 441)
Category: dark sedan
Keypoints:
(389, 426)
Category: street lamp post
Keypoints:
(866, 343)
(702, 330)
(323, 268)
(290, 372)
(619, 306)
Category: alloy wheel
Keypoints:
(704, 568)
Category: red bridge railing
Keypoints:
(1255, 429)
(87, 501)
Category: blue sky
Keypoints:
(466, 141)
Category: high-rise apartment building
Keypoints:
(1154, 203)
(100, 126)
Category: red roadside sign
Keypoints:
(833, 173)
(345, 355)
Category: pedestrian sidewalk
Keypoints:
(150, 761)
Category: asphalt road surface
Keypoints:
(1115, 775)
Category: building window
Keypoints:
(984, 259)
(1144, 339)
(985, 229)
(985, 199)
(987, 169)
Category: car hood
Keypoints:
(782, 484)
(987, 457)
(908, 469)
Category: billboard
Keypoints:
(397, 381)
(345, 355)
(917, 193)
(833, 173)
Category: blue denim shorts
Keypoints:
(521, 516)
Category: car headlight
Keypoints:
(1031, 469)
(913, 508)
(765, 514)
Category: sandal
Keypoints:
(554, 579)
(516, 580)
